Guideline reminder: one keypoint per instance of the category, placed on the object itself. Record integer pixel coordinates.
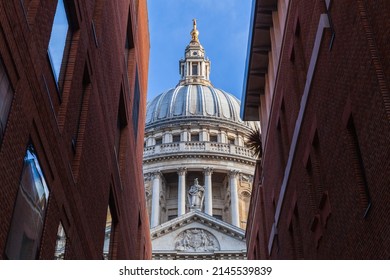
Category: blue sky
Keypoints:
(223, 31)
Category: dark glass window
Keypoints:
(195, 137)
(121, 123)
(176, 138)
(231, 141)
(158, 141)
(58, 39)
(136, 103)
(213, 138)
(28, 218)
(6, 96)
(195, 69)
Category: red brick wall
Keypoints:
(80, 179)
(323, 216)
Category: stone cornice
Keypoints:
(214, 122)
(211, 156)
(216, 255)
(200, 217)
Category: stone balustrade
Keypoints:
(185, 147)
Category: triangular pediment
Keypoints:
(197, 233)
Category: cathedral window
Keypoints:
(158, 141)
(195, 137)
(176, 138)
(195, 69)
(213, 138)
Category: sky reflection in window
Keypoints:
(58, 38)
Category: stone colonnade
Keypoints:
(208, 194)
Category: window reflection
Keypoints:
(107, 236)
(59, 253)
(29, 213)
(58, 37)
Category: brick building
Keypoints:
(73, 78)
(318, 79)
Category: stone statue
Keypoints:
(196, 196)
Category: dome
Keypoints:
(197, 163)
(194, 97)
(193, 100)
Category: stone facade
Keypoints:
(197, 235)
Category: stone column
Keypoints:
(181, 192)
(222, 137)
(233, 175)
(208, 193)
(156, 183)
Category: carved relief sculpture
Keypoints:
(196, 240)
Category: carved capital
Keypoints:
(234, 173)
(208, 171)
(181, 171)
(147, 177)
(156, 175)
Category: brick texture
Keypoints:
(325, 213)
(86, 176)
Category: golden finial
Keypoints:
(194, 32)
